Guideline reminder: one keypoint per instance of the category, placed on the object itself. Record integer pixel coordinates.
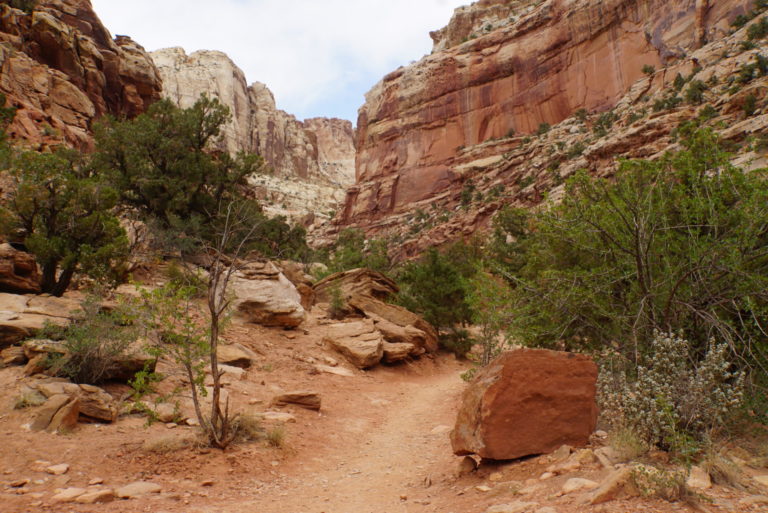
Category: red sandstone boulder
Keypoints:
(18, 271)
(528, 401)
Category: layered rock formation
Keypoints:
(61, 69)
(428, 128)
(311, 161)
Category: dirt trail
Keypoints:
(382, 457)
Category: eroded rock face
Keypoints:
(528, 401)
(18, 271)
(537, 62)
(365, 292)
(263, 295)
(312, 161)
(60, 67)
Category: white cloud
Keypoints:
(318, 56)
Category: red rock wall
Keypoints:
(60, 67)
(546, 63)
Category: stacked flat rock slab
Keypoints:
(528, 401)
(265, 296)
(23, 316)
(67, 402)
(359, 342)
(365, 292)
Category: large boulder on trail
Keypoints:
(263, 295)
(526, 402)
(365, 292)
(18, 271)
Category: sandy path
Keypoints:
(383, 451)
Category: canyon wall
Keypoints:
(311, 162)
(61, 69)
(499, 70)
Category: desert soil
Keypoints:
(379, 445)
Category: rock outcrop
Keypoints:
(365, 292)
(499, 71)
(23, 316)
(311, 162)
(528, 401)
(18, 271)
(263, 295)
(61, 69)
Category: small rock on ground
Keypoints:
(137, 489)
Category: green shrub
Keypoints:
(708, 112)
(338, 305)
(758, 30)
(543, 128)
(669, 243)
(670, 399)
(604, 123)
(24, 5)
(694, 95)
(740, 21)
(750, 105)
(667, 103)
(96, 344)
(649, 70)
(352, 251)
(679, 82)
(581, 115)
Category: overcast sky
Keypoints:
(319, 57)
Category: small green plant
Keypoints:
(96, 344)
(180, 275)
(679, 82)
(750, 105)
(758, 30)
(604, 123)
(337, 306)
(707, 113)
(576, 150)
(694, 94)
(667, 400)
(24, 5)
(581, 115)
(543, 128)
(664, 484)
(248, 428)
(276, 437)
(467, 193)
(740, 21)
(28, 400)
(511, 132)
(649, 70)
(525, 181)
(667, 103)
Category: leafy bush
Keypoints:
(667, 244)
(679, 82)
(750, 105)
(435, 286)
(668, 102)
(694, 95)
(758, 30)
(352, 251)
(96, 343)
(24, 5)
(671, 400)
(649, 70)
(543, 128)
(604, 123)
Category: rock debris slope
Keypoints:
(311, 161)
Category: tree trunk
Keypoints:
(64, 280)
(48, 281)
